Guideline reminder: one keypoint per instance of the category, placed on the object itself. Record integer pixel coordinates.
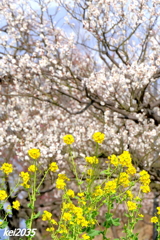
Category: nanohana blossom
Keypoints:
(34, 153)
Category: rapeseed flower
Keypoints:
(98, 191)
(81, 194)
(63, 177)
(68, 139)
(16, 205)
(130, 194)
(131, 206)
(125, 159)
(7, 168)
(98, 137)
(26, 177)
(51, 229)
(131, 170)
(34, 153)
(154, 219)
(114, 160)
(32, 168)
(90, 172)
(53, 167)
(144, 177)
(110, 187)
(3, 195)
(123, 179)
(85, 237)
(92, 160)
(53, 222)
(145, 188)
(46, 216)
(158, 208)
(70, 193)
(67, 216)
(60, 184)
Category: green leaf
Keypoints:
(28, 223)
(4, 225)
(115, 222)
(36, 215)
(93, 232)
(107, 172)
(80, 182)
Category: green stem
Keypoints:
(42, 179)
(33, 199)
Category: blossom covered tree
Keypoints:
(101, 75)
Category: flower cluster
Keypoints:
(98, 137)
(53, 167)
(145, 180)
(25, 176)
(156, 219)
(34, 153)
(92, 160)
(70, 193)
(68, 139)
(47, 216)
(3, 195)
(73, 214)
(124, 160)
(32, 168)
(60, 182)
(7, 168)
(110, 186)
(123, 179)
(16, 205)
(131, 206)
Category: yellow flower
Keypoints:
(85, 236)
(110, 187)
(63, 229)
(1, 222)
(34, 153)
(53, 167)
(53, 222)
(46, 216)
(68, 139)
(114, 160)
(92, 160)
(98, 137)
(145, 189)
(32, 168)
(125, 159)
(131, 170)
(7, 168)
(98, 191)
(81, 194)
(137, 199)
(144, 177)
(60, 184)
(90, 172)
(131, 205)
(67, 216)
(25, 176)
(3, 195)
(158, 208)
(124, 179)
(63, 177)
(154, 219)
(51, 229)
(70, 193)
(141, 215)
(130, 194)
(16, 205)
